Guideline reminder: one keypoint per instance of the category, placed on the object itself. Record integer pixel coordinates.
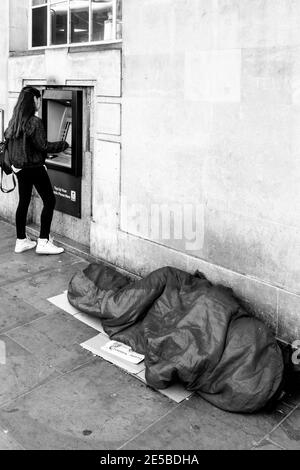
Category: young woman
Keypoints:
(28, 148)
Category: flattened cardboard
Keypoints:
(61, 301)
(91, 321)
(175, 392)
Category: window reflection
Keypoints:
(79, 20)
(119, 20)
(59, 22)
(39, 27)
(101, 20)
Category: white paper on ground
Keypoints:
(123, 351)
(95, 345)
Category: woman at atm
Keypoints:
(28, 148)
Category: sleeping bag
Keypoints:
(189, 330)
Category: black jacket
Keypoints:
(30, 150)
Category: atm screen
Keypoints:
(59, 120)
(62, 117)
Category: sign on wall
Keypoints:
(67, 190)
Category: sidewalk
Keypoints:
(56, 395)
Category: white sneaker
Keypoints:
(24, 244)
(47, 247)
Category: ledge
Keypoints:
(95, 47)
(70, 49)
(26, 53)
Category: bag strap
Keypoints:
(5, 190)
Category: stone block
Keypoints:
(213, 76)
(108, 120)
(269, 23)
(257, 248)
(106, 178)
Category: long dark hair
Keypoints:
(23, 111)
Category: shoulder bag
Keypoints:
(5, 167)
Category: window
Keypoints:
(68, 22)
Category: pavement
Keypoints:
(56, 395)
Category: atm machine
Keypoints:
(62, 117)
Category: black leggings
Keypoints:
(37, 177)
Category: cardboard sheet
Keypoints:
(91, 321)
(176, 392)
(61, 301)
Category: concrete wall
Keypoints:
(211, 119)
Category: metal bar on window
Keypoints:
(69, 23)
(49, 25)
(30, 25)
(90, 21)
(114, 19)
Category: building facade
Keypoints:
(190, 137)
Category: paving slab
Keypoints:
(7, 442)
(7, 230)
(94, 407)
(7, 245)
(21, 372)
(36, 289)
(196, 424)
(15, 312)
(288, 433)
(267, 445)
(55, 339)
(16, 266)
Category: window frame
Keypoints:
(90, 42)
